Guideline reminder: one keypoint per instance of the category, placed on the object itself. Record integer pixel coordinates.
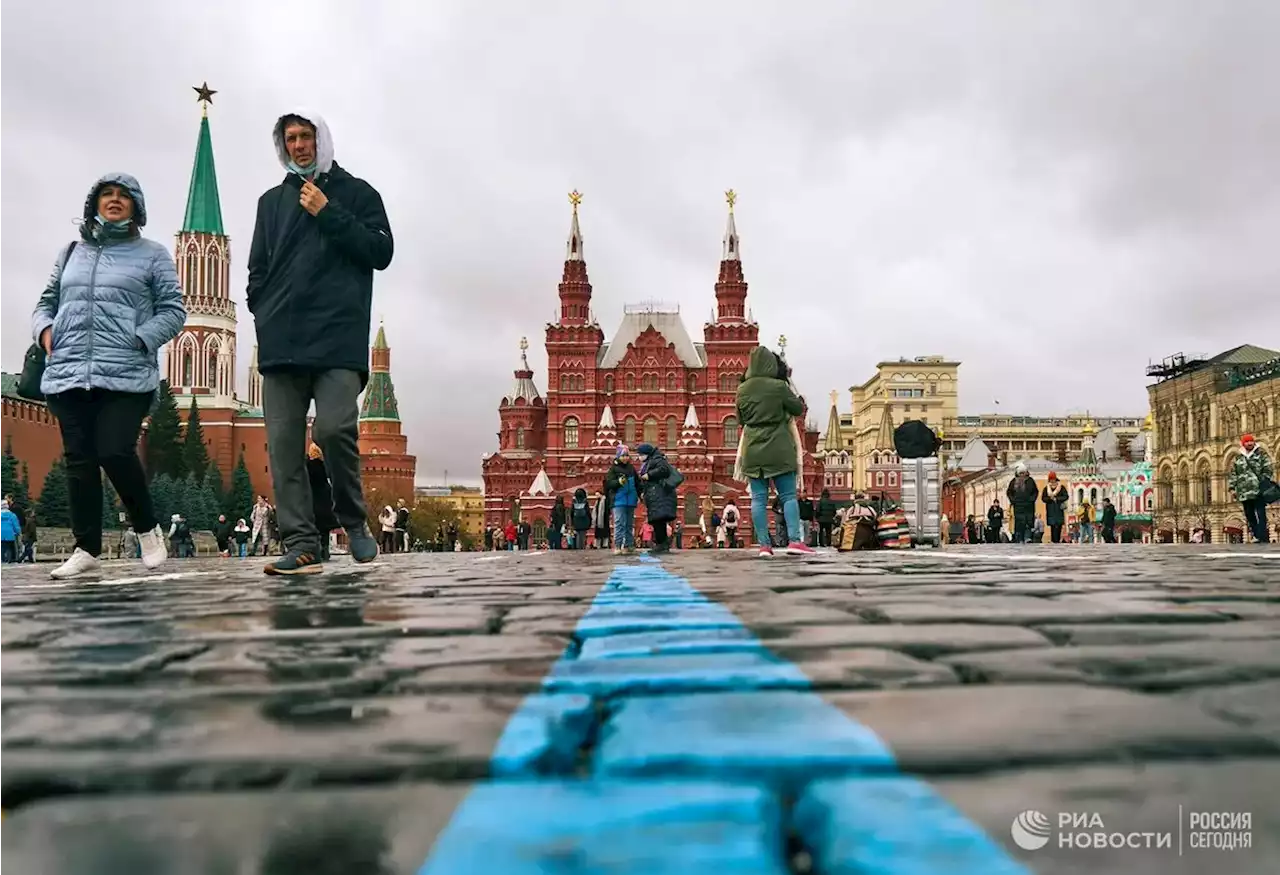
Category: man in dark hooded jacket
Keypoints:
(319, 236)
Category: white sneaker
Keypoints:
(154, 551)
(79, 563)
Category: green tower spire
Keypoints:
(380, 394)
(204, 211)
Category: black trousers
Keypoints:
(1255, 517)
(1055, 533)
(660, 535)
(100, 433)
(824, 534)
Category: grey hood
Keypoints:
(130, 184)
(324, 140)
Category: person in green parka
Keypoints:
(769, 449)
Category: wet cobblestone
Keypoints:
(211, 719)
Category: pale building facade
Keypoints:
(924, 388)
(1201, 407)
(927, 388)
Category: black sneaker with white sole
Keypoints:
(295, 562)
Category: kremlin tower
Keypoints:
(385, 464)
(200, 363)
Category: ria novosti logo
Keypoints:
(1030, 830)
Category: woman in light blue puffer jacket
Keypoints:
(112, 301)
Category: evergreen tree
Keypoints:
(8, 471)
(239, 503)
(211, 504)
(22, 493)
(213, 480)
(195, 455)
(163, 498)
(164, 437)
(54, 508)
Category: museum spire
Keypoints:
(731, 287)
(575, 287)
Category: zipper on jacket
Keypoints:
(93, 298)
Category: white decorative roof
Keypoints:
(667, 323)
(730, 250)
(974, 456)
(524, 387)
(573, 246)
(691, 436)
(606, 429)
(541, 484)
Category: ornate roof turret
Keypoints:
(541, 484)
(606, 429)
(884, 437)
(691, 435)
(204, 209)
(380, 394)
(833, 441)
(1086, 467)
(524, 389)
(1148, 450)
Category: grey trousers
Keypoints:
(286, 398)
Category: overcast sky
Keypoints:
(1053, 193)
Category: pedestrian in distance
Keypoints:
(318, 237)
(1252, 480)
(111, 303)
(622, 489)
(1022, 493)
(770, 451)
(658, 482)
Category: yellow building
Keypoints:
(925, 387)
(1201, 406)
(468, 501)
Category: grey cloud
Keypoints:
(1052, 193)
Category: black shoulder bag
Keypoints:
(34, 362)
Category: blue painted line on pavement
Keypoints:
(706, 729)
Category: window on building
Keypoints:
(539, 531)
(629, 430)
(564, 382)
(691, 508)
(651, 382)
(651, 430)
(731, 431)
(571, 433)
(608, 382)
(880, 478)
(673, 432)
(213, 371)
(631, 382)
(893, 478)
(187, 367)
(520, 437)
(671, 382)
(692, 382)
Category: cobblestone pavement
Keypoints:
(573, 712)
